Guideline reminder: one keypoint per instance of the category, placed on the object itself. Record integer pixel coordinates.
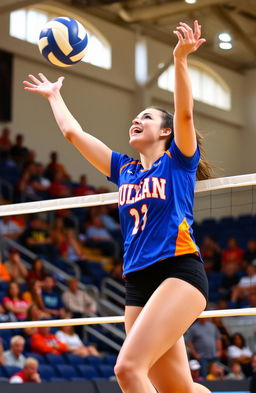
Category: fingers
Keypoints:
(61, 79)
(34, 79)
(187, 31)
(43, 77)
(28, 84)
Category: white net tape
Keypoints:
(116, 319)
(112, 197)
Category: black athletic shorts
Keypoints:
(142, 283)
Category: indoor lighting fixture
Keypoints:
(190, 1)
(225, 37)
(225, 45)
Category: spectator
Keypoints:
(204, 343)
(39, 183)
(74, 344)
(245, 286)
(78, 302)
(38, 272)
(239, 351)
(250, 252)
(70, 247)
(59, 187)
(194, 366)
(98, 237)
(252, 387)
(36, 238)
(33, 314)
(51, 299)
(44, 342)
(9, 228)
(14, 303)
(57, 232)
(16, 268)
(5, 142)
(83, 188)
(55, 166)
(236, 372)
(4, 273)
(232, 254)
(34, 296)
(18, 151)
(112, 226)
(225, 337)
(28, 374)
(211, 253)
(24, 186)
(215, 372)
(14, 356)
(1, 354)
(230, 279)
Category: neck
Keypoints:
(149, 156)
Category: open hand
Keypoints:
(188, 40)
(43, 86)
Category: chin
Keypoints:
(135, 144)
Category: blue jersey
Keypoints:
(155, 206)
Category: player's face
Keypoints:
(146, 128)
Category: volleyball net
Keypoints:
(230, 200)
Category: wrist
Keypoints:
(182, 59)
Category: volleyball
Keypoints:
(63, 41)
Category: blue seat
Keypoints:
(54, 359)
(40, 358)
(67, 371)
(106, 370)
(110, 359)
(46, 372)
(88, 372)
(2, 372)
(94, 361)
(10, 370)
(74, 359)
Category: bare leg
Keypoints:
(171, 367)
(159, 325)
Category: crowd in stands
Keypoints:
(89, 241)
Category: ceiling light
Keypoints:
(190, 1)
(225, 37)
(225, 45)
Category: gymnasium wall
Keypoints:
(104, 102)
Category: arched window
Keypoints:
(207, 86)
(26, 25)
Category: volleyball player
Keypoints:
(166, 285)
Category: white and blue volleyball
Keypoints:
(63, 41)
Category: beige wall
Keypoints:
(105, 101)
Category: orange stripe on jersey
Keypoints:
(128, 163)
(168, 153)
(184, 242)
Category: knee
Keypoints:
(125, 371)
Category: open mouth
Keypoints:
(136, 131)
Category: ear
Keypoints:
(165, 131)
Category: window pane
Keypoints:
(18, 24)
(205, 87)
(35, 22)
(27, 24)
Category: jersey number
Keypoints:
(136, 215)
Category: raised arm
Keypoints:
(184, 131)
(95, 151)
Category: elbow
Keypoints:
(68, 134)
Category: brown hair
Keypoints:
(204, 169)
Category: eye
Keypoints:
(147, 117)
